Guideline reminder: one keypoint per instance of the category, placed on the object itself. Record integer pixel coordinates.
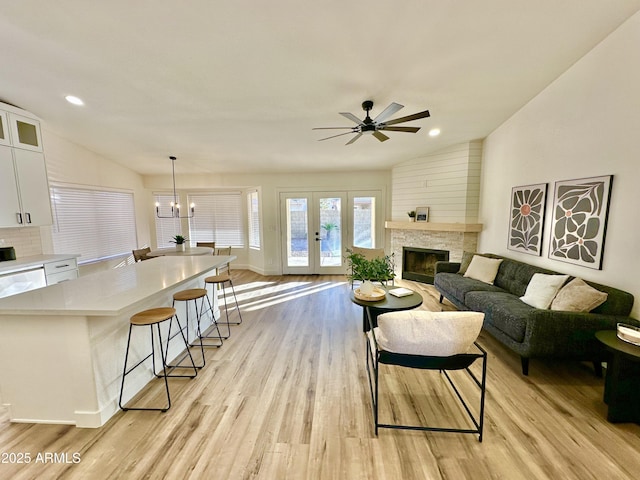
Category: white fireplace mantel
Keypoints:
(434, 227)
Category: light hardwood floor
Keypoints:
(286, 397)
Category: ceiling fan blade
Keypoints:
(408, 118)
(401, 129)
(387, 112)
(351, 117)
(334, 136)
(380, 136)
(354, 139)
(332, 128)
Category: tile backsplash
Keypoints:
(26, 241)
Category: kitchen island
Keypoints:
(62, 346)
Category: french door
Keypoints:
(316, 227)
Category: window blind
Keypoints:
(166, 228)
(218, 218)
(254, 220)
(97, 224)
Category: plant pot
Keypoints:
(180, 247)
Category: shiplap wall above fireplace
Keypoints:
(448, 182)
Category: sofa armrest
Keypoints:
(560, 333)
(447, 267)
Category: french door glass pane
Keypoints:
(297, 233)
(364, 217)
(330, 234)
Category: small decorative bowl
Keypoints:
(628, 333)
(377, 294)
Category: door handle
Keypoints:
(27, 217)
(19, 218)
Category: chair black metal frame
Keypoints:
(221, 280)
(377, 356)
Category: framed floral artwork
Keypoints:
(580, 211)
(527, 218)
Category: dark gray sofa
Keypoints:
(529, 331)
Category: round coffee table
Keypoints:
(389, 303)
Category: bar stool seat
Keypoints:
(151, 317)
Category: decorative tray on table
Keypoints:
(628, 333)
(377, 294)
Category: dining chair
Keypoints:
(141, 254)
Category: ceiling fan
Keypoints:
(375, 126)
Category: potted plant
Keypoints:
(180, 242)
(412, 215)
(379, 269)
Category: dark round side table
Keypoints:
(621, 392)
(390, 303)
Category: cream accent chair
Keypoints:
(430, 341)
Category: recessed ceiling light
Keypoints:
(434, 132)
(74, 100)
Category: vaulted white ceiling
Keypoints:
(237, 86)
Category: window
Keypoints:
(166, 228)
(254, 220)
(97, 224)
(218, 218)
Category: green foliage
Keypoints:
(329, 226)
(377, 269)
(412, 214)
(179, 240)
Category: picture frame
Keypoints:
(526, 218)
(579, 222)
(422, 214)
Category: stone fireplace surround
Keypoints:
(454, 237)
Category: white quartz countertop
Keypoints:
(112, 291)
(26, 263)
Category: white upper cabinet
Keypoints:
(24, 186)
(4, 129)
(25, 132)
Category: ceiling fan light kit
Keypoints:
(374, 127)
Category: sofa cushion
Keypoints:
(420, 332)
(578, 296)
(503, 311)
(483, 269)
(542, 289)
(514, 276)
(453, 284)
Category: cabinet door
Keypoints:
(25, 133)
(33, 187)
(4, 128)
(9, 203)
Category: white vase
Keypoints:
(367, 287)
(180, 247)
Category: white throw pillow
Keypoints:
(542, 289)
(483, 269)
(419, 332)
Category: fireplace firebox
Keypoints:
(419, 264)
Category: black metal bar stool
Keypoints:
(193, 294)
(151, 317)
(221, 279)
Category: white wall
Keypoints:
(70, 163)
(584, 124)
(447, 181)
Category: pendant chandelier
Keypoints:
(175, 205)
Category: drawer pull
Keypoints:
(62, 266)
